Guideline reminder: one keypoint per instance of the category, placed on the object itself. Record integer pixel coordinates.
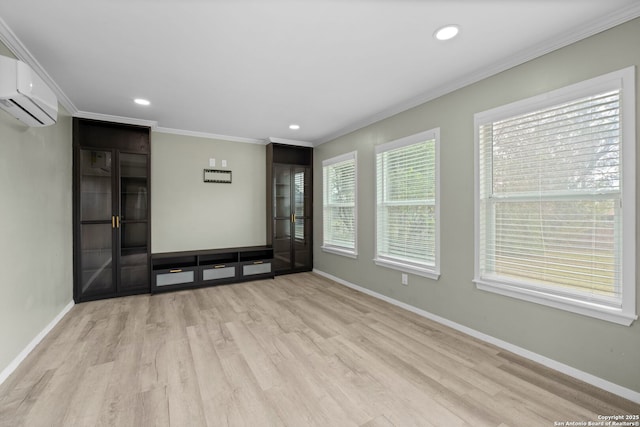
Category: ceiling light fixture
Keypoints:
(294, 126)
(141, 101)
(447, 32)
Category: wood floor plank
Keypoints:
(248, 404)
(152, 408)
(411, 403)
(183, 392)
(296, 351)
(87, 399)
(259, 362)
(118, 404)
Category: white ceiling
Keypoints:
(248, 68)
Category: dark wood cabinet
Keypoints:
(290, 207)
(111, 196)
(193, 269)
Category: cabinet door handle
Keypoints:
(113, 221)
(257, 262)
(219, 266)
(118, 221)
(177, 270)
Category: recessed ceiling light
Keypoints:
(294, 126)
(141, 101)
(447, 32)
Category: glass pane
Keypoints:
(282, 192)
(339, 226)
(95, 185)
(283, 229)
(569, 244)
(301, 243)
(407, 232)
(573, 147)
(96, 265)
(302, 192)
(409, 172)
(134, 271)
(134, 235)
(282, 244)
(299, 229)
(133, 165)
(133, 186)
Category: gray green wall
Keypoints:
(189, 214)
(603, 349)
(36, 231)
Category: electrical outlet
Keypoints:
(405, 279)
(224, 163)
(212, 163)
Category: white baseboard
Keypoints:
(34, 342)
(588, 378)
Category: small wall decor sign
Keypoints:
(217, 175)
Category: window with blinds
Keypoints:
(407, 209)
(339, 177)
(550, 205)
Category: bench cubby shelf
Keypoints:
(193, 269)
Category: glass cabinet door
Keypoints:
(282, 192)
(302, 215)
(113, 233)
(292, 217)
(282, 217)
(111, 209)
(96, 181)
(96, 222)
(282, 256)
(133, 221)
(96, 264)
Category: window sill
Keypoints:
(338, 251)
(584, 308)
(408, 268)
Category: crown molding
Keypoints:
(8, 37)
(601, 24)
(209, 135)
(116, 119)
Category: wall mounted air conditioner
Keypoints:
(24, 95)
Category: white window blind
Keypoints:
(407, 235)
(300, 190)
(339, 204)
(550, 199)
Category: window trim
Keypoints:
(335, 249)
(623, 80)
(394, 263)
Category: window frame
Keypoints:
(420, 269)
(329, 247)
(624, 81)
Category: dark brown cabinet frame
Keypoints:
(189, 269)
(119, 140)
(283, 156)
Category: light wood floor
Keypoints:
(295, 351)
